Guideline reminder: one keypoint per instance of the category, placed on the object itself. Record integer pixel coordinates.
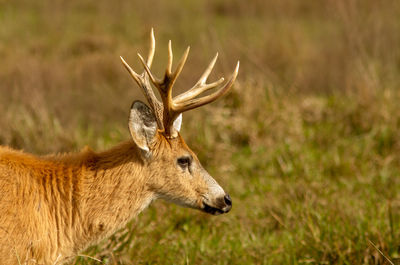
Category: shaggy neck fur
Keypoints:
(113, 191)
(77, 199)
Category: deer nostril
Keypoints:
(228, 200)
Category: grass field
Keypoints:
(307, 144)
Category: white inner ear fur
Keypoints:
(142, 125)
(178, 123)
(139, 138)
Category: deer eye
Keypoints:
(184, 161)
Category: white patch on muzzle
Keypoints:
(215, 191)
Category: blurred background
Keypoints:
(307, 143)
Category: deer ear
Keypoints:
(177, 123)
(142, 125)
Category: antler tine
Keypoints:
(170, 59)
(207, 72)
(197, 90)
(134, 75)
(169, 78)
(152, 49)
(201, 85)
(195, 103)
(179, 68)
(153, 79)
(150, 57)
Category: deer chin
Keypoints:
(212, 210)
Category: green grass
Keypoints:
(307, 143)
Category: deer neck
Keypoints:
(114, 190)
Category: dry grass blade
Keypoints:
(90, 257)
(380, 252)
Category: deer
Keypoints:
(53, 207)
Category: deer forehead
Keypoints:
(176, 144)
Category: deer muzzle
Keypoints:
(221, 205)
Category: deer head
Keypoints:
(176, 173)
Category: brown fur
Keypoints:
(53, 207)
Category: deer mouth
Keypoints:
(212, 210)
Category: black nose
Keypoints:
(228, 200)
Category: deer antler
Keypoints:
(169, 109)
